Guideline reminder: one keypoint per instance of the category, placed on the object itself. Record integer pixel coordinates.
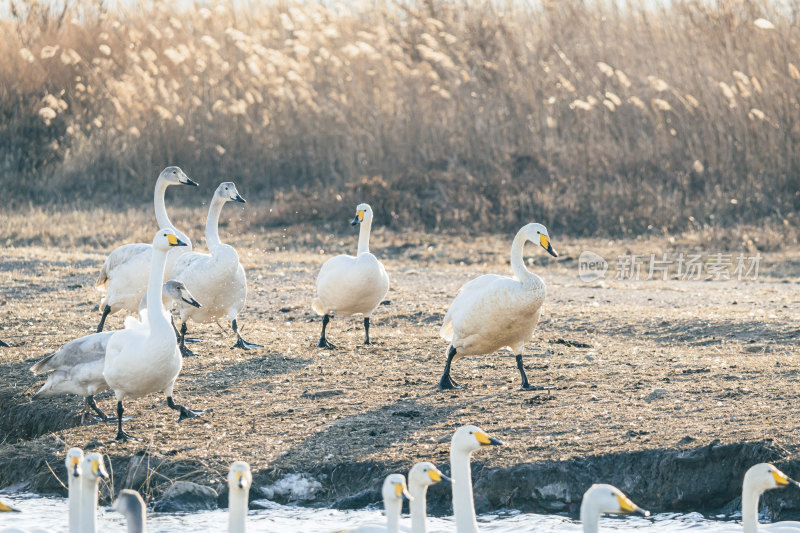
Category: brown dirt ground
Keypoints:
(725, 352)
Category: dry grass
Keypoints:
(591, 117)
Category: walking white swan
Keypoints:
(349, 285)
(600, 499)
(141, 361)
(757, 480)
(217, 279)
(420, 477)
(492, 312)
(466, 439)
(131, 505)
(239, 481)
(123, 278)
(77, 367)
(394, 490)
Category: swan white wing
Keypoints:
(465, 296)
(120, 256)
(217, 281)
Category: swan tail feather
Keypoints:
(316, 305)
(39, 366)
(102, 279)
(446, 332)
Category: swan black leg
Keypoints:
(121, 435)
(184, 412)
(93, 406)
(240, 342)
(4, 345)
(525, 385)
(323, 341)
(447, 382)
(106, 311)
(366, 329)
(186, 352)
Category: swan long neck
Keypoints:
(463, 506)
(212, 223)
(136, 521)
(160, 207)
(363, 236)
(517, 260)
(74, 503)
(155, 311)
(590, 518)
(750, 498)
(418, 507)
(237, 511)
(88, 518)
(393, 510)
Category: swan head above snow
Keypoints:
(73, 461)
(165, 239)
(425, 474)
(764, 476)
(178, 292)
(535, 232)
(395, 489)
(601, 498)
(228, 193)
(240, 478)
(92, 467)
(468, 439)
(175, 176)
(363, 214)
(7, 508)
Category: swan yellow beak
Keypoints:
(544, 241)
(486, 440)
(75, 462)
(781, 479)
(401, 491)
(627, 506)
(359, 217)
(7, 509)
(435, 475)
(99, 470)
(174, 241)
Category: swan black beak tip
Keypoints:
(192, 302)
(551, 251)
(355, 222)
(239, 199)
(190, 182)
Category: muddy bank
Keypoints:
(644, 375)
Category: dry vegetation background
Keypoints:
(592, 117)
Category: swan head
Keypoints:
(601, 498)
(538, 233)
(240, 478)
(129, 503)
(363, 214)
(424, 475)
(73, 461)
(228, 193)
(7, 508)
(165, 239)
(395, 489)
(93, 468)
(175, 176)
(468, 439)
(765, 476)
(178, 292)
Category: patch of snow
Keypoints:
(294, 487)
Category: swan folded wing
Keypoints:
(189, 261)
(468, 294)
(83, 350)
(118, 257)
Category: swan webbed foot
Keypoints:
(186, 352)
(106, 311)
(528, 386)
(185, 412)
(324, 343)
(244, 345)
(121, 435)
(4, 345)
(447, 383)
(124, 437)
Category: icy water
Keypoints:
(50, 514)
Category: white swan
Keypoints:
(466, 440)
(760, 478)
(77, 367)
(130, 504)
(73, 463)
(349, 285)
(216, 279)
(420, 477)
(239, 481)
(123, 277)
(92, 470)
(601, 498)
(141, 361)
(491, 311)
(394, 490)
